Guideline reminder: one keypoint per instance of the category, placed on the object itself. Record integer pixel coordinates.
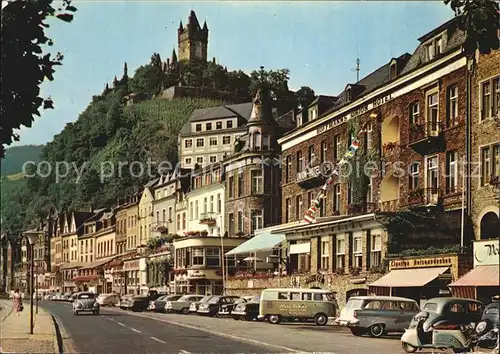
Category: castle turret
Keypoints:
(193, 40)
(261, 126)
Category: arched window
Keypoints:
(489, 226)
(257, 141)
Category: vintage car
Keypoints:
(85, 302)
(159, 304)
(211, 307)
(377, 315)
(183, 304)
(108, 299)
(247, 310)
(137, 303)
(491, 313)
(193, 308)
(227, 308)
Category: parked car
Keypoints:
(66, 296)
(85, 302)
(298, 304)
(377, 315)
(108, 299)
(211, 307)
(247, 310)
(491, 313)
(159, 304)
(193, 308)
(227, 309)
(183, 304)
(137, 302)
(56, 297)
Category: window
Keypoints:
(393, 71)
(325, 254)
(369, 191)
(205, 205)
(257, 141)
(486, 100)
(170, 214)
(219, 204)
(199, 160)
(218, 125)
(240, 221)
(198, 127)
(241, 185)
(413, 176)
(432, 174)
(299, 119)
(266, 142)
(257, 220)
(288, 169)
(357, 251)
(200, 142)
(188, 143)
(208, 126)
(229, 124)
(196, 213)
(188, 161)
(414, 113)
(496, 101)
(257, 182)
(340, 254)
(323, 151)
(213, 141)
(298, 207)
(349, 193)
(336, 198)
(311, 155)
(348, 95)
(230, 186)
(213, 159)
(231, 224)
(432, 111)
(198, 256)
(226, 140)
(451, 171)
(213, 256)
(178, 221)
(288, 209)
(496, 161)
(376, 250)
(452, 112)
(434, 48)
(485, 165)
(184, 220)
(310, 198)
(336, 148)
(490, 98)
(368, 136)
(300, 161)
(157, 216)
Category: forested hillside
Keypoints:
(16, 156)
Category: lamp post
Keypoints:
(31, 237)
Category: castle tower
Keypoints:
(192, 40)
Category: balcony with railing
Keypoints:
(426, 137)
(425, 197)
(362, 208)
(209, 219)
(389, 206)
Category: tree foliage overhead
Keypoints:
(26, 63)
(480, 20)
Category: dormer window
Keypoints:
(299, 119)
(198, 127)
(348, 94)
(208, 126)
(393, 70)
(435, 47)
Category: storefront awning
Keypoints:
(406, 278)
(487, 275)
(262, 242)
(299, 248)
(97, 263)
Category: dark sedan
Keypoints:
(248, 310)
(158, 305)
(491, 313)
(137, 303)
(211, 307)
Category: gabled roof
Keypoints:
(242, 110)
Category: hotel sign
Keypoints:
(361, 110)
(314, 172)
(486, 252)
(421, 263)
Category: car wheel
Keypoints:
(377, 330)
(274, 319)
(236, 317)
(185, 311)
(356, 331)
(76, 313)
(408, 348)
(321, 319)
(248, 317)
(96, 313)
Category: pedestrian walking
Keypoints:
(18, 302)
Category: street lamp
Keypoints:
(31, 237)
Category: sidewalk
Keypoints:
(14, 330)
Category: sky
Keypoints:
(318, 41)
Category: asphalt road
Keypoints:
(119, 332)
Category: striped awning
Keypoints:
(263, 242)
(407, 278)
(486, 275)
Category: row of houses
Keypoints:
(421, 220)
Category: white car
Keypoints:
(108, 299)
(85, 302)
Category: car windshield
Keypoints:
(354, 304)
(206, 299)
(86, 296)
(185, 298)
(214, 300)
(161, 298)
(430, 306)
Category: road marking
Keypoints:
(121, 324)
(135, 330)
(230, 336)
(182, 351)
(158, 340)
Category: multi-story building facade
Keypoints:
(252, 191)
(205, 200)
(129, 210)
(146, 213)
(164, 204)
(210, 133)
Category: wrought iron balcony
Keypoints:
(389, 205)
(425, 196)
(427, 137)
(208, 218)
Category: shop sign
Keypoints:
(486, 252)
(420, 262)
(133, 265)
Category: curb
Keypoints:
(62, 343)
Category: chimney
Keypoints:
(91, 208)
(168, 63)
(213, 60)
